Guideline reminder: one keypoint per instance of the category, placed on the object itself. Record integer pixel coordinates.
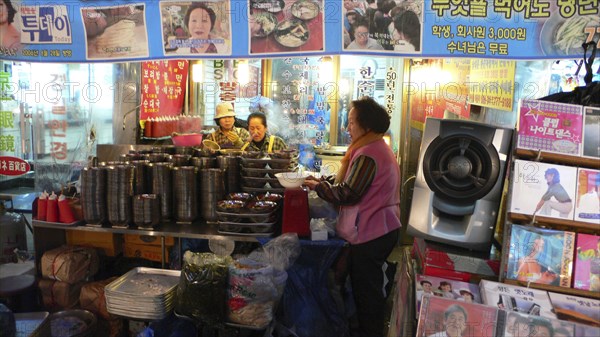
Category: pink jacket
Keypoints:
(378, 212)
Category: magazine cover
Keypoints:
(576, 309)
(441, 317)
(540, 255)
(591, 133)
(587, 203)
(514, 298)
(437, 286)
(523, 325)
(550, 127)
(587, 262)
(543, 189)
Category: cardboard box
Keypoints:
(148, 252)
(109, 243)
(147, 240)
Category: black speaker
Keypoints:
(459, 182)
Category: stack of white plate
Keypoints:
(143, 293)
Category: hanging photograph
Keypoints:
(115, 32)
(196, 27)
(383, 25)
(285, 26)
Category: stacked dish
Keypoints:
(247, 214)
(143, 293)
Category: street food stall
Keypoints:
(96, 99)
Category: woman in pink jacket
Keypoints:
(367, 191)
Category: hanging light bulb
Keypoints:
(326, 71)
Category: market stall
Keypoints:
(96, 97)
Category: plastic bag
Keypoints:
(251, 293)
(202, 289)
(319, 208)
(281, 252)
(323, 224)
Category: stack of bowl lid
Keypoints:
(143, 293)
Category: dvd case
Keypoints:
(437, 286)
(543, 189)
(591, 132)
(587, 263)
(576, 309)
(540, 255)
(514, 298)
(523, 325)
(442, 317)
(587, 203)
(550, 127)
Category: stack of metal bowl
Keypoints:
(146, 211)
(119, 181)
(142, 177)
(231, 166)
(93, 195)
(185, 194)
(162, 186)
(212, 189)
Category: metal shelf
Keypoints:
(196, 230)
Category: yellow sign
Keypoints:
(492, 83)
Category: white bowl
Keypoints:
(291, 179)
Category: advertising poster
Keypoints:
(115, 31)
(286, 26)
(163, 88)
(196, 27)
(389, 25)
(549, 126)
(492, 83)
(517, 28)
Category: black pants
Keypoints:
(366, 274)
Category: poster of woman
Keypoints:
(196, 27)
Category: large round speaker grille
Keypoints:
(460, 168)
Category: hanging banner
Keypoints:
(163, 88)
(119, 30)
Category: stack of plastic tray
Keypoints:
(143, 293)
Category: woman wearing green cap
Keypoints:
(227, 135)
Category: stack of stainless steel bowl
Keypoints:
(231, 166)
(146, 210)
(142, 177)
(93, 195)
(212, 189)
(185, 194)
(119, 180)
(162, 186)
